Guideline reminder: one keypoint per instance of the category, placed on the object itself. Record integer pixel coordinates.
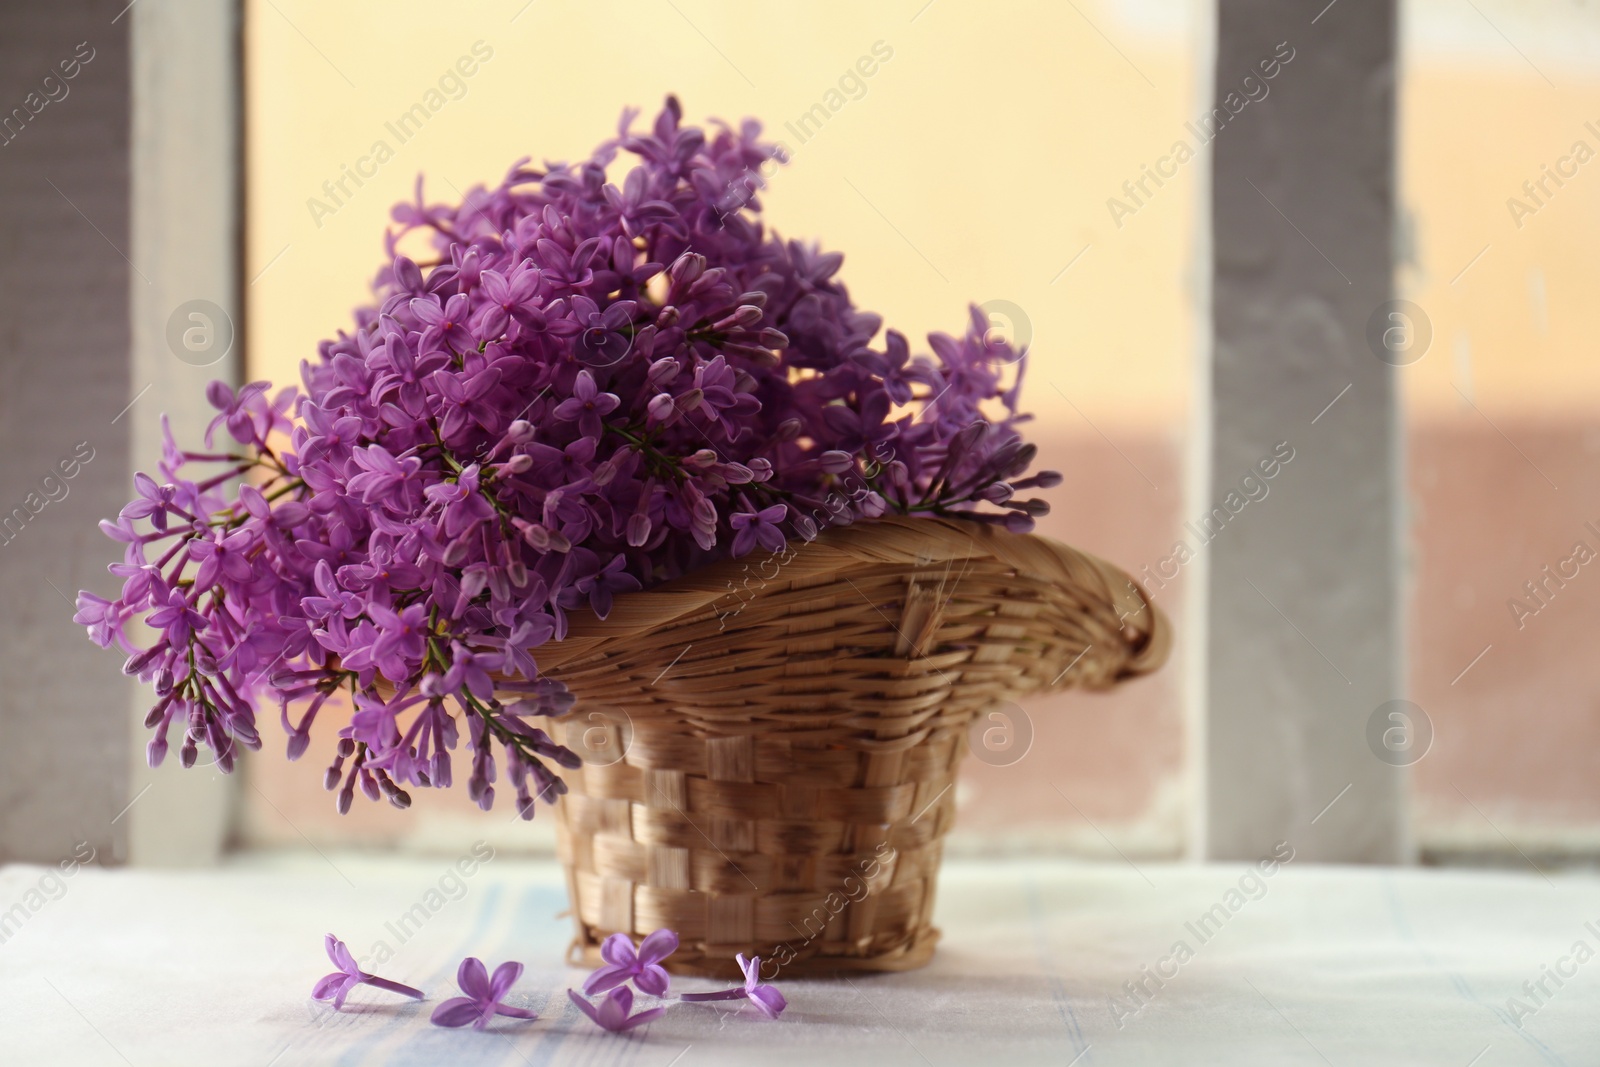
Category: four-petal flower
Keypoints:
(642, 966)
(337, 986)
(483, 996)
(612, 1014)
(767, 999)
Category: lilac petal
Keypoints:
(607, 977)
(618, 949)
(585, 1007)
(751, 968)
(505, 976)
(640, 1019)
(768, 1001)
(514, 1013)
(473, 978)
(622, 997)
(457, 1011)
(344, 991)
(615, 1008)
(659, 945)
(325, 986)
(341, 957)
(652, 979)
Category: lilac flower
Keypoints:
(758, 528)
(557, 405)
(104, 618)
(641, 966)
(587, 405)
(766, 999)
(510, 298)
(221, 554)
(604, 583)
(613, 1012)
(153, 501)
(337, 986)
(446, 326)
(607, 335)
(483, 995)
(401, 638)
(177, 618)
(467, 400)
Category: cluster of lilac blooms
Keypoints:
(585, 389)
(625, 963)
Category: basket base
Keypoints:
(908, 957)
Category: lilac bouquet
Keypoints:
(586, 390)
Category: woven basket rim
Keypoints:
(892, 540)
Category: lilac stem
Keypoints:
(394, 987)
(725, 994)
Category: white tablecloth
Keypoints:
(1324, 966)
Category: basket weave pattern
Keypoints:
(770, 744)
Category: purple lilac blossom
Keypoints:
(584, 390)
(483, 996)
(642, 965)
(766, 998)
(612, 1014)
(337, 986)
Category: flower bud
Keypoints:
(638, 529)
(660, 408)
(686, 268)
(662, 372)
(137, 663)
(744, 315)
(996, 492)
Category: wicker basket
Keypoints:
(770, 743)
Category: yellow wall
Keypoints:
(990, 141)
(1517, 331)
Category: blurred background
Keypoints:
(988, 158)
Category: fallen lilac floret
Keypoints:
(337, 986)
(766, 998)
(642, 966)
(483, 995)
(613, 1012)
